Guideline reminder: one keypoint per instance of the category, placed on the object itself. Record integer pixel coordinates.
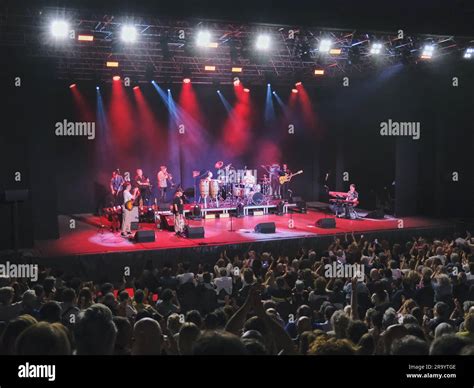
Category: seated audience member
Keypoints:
(44, 338)
(95, 331)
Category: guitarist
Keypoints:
(128, 197)
(116, 187)
(275, 174)
(285, 186)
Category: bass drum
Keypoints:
(256, 198)
(214, 188)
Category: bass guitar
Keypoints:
(287, 177)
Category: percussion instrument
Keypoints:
(204, 188)
(256, 198)
(214, 188)
(238, 190)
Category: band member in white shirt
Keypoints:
(249, 179)
(127, 214)
(163, 176)
(178, 211)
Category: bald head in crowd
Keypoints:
(147, 337)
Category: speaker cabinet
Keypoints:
(142, 236)
(326, 223)
(194, 232)
(265, 227)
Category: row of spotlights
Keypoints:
(129, 34)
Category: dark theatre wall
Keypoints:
(70, 175)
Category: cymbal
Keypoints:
(219, 164)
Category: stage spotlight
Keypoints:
(85, 38)
(97, 88)
(203, 39)
(129, 34)
(294, 90)
(218, 91)
(268, 85)
(427, 52)
(325, 45)
(72, 86)
(59, 29)
(116, 78)
(186, 80)
(469, 53)
(246, 90)
(263, 42)
(299, 83)
(169, 90)
(376, 48)
(136, 87)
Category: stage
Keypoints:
(88, 238)
(96, 252)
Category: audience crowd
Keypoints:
(415, 298)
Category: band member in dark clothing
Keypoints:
(275, 173)
(352, 201)
(178, 211)
(116, 188)
(143, 184)
(285, 187)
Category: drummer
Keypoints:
(248, 179)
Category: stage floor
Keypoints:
(88, 239)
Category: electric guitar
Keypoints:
(129, 204)
(287, 177)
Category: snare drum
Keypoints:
(238, 190)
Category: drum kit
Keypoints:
(231, 189)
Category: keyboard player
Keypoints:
(345, 202)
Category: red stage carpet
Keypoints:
(87, 238)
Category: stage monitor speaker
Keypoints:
(194, 232)
(265, 227)
(142, 236)
(167, 222)
(378, 214)
(16, 195)
(326, 223)
(301, 206)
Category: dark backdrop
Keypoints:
(70, 175)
